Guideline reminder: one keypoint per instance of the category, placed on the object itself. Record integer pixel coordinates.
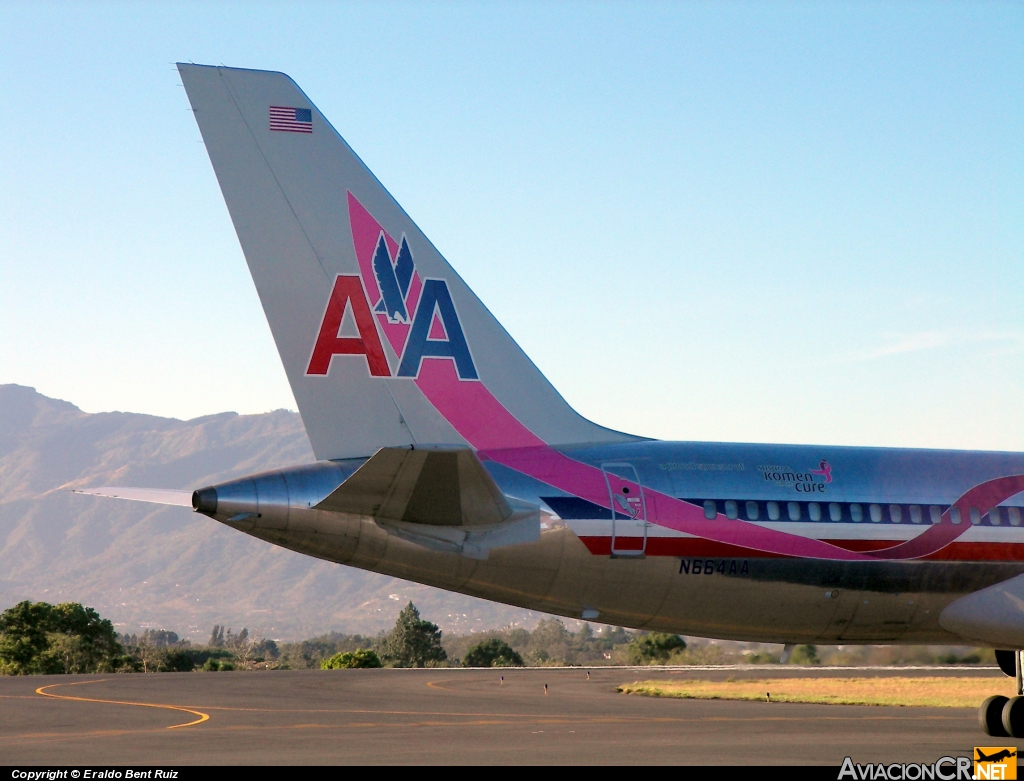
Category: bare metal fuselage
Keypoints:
(704, 590)
(777, 601)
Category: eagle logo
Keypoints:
(393, 281)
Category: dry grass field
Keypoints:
(933, 692)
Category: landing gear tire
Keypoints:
(1013, 717)
(990, 714)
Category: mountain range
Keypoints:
(149, 566)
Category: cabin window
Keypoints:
(915, 514)
(1014, 513)
(935, 513)
(895, 513)
(731, 511)
(814, 511)
(835, 512)
(710, 510)
(954, 515)
(995, 516)
(975, 514)
(856, 513)
(752, 511)
(773, 511)
(876, 513)
(793, 508)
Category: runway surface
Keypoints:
(457, 716)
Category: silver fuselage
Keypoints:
(641, 574)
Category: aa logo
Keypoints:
(995, 762)
(416, 316)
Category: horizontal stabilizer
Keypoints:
(442, 499)
(153, 495)
(993, 616)
(438, 487)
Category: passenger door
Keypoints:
(629, 509)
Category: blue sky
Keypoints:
(788, 222)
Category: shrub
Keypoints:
(307, 654)
(805, 654)
(654, 648)
(361, 657)
(176, 662)
(492, 653)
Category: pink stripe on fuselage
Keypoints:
(982, 497)
(472, 409)
(482, 420)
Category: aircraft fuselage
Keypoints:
(634, 569)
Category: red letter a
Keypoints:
(348, 290)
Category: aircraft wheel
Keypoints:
(1013, 717)
(990, 714)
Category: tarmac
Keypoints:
(458, 716)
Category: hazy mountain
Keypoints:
(149, 566)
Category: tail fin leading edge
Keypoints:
(383, 343)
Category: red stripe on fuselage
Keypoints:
(696, 547)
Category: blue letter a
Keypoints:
(435, 297)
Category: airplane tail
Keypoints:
(383, 343)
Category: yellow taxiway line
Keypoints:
(202, 716)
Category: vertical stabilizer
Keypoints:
(382, 342)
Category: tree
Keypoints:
(361, 657)
(492, 653)
(413, 642)
(217, 637)
(239, 641)
(550, 632)
(161, 638)
(65, 638)
(805, 654)
(309, 653)
(176, 662)
(96, 636)
(146, 653)
(654, 648)
(550, 640)
(159, 650)
(24, 637)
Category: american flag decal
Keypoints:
(291, 120)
